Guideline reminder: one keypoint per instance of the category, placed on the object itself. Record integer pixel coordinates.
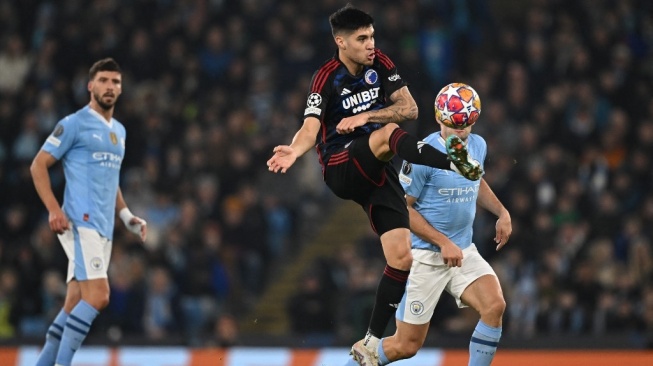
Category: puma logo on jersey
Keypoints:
(95, 135)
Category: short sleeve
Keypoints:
(318, 97)
(390, 77)
(61, 139)
(413, 177)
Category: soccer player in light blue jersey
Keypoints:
(91, 147)
(442, 206)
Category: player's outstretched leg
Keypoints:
(414, 151)
(465, 165)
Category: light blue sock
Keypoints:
(77, 327)
(52, 340)
(483, 344)
(351, 362)
(383, 359)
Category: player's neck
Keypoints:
(106, 113)
(354, 68)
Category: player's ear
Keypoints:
(89, 86)
(340, 41)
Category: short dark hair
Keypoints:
(106, 64)
(349, 19)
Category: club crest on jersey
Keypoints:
(371, 77)
(114, 138)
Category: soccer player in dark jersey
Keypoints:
(354, 104)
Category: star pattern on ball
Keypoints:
(457, 106)
(468, 107)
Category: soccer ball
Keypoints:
(457, 106)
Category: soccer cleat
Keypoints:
(461, 162)
(363, 355)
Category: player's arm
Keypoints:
(489, 201)
(133, 223)
(403, 108)
(451, 253)
(285, 155)
(41, 178)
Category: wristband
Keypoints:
(126, 216)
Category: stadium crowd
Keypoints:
(212, 86)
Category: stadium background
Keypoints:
(241, 257)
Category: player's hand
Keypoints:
(349, 124)
(452, 255)
(504, 230)
(58, 221)
(284, 157)
(138, 226)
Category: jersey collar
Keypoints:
(444, 143)
(441, 140)
(100, 117)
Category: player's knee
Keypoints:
(98, 299)
(405, 260)
(496, 308)
(101, 301)
(388, 129)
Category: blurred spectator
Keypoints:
(311, 312)
(14, 64)
(225, 332)
(9, 303)
(161, 310)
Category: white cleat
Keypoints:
(363, 355)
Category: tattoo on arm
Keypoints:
(403, 108)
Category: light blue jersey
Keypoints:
(445, 199)
(91, 151)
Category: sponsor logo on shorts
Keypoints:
(416, 307)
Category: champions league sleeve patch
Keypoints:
(57, 131)
(314, 100)
(53, 138)
(406, 168)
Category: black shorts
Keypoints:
(354, 173)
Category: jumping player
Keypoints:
(355, 101)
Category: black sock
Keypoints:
(388, 296)
(410, 149)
